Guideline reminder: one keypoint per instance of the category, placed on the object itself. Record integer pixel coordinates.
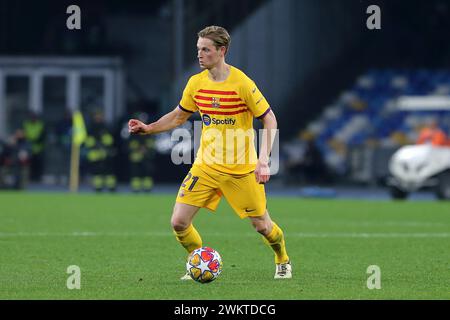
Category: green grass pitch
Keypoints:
(125, 249)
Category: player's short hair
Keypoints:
(218, 35)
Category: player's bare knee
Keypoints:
(262, 224)
(183, 215)
(260, 227)
(262, 230)
(178, 224)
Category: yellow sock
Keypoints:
(190, 239)
(275, 239)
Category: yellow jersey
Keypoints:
(227, 110)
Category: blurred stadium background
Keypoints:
(331, 81)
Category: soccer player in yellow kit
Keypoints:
(227, 101)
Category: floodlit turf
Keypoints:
(125, 249)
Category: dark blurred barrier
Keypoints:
(369, 165)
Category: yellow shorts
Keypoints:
(204, 187)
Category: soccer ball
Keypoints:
(204, 265)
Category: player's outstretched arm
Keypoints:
(167, 122)
(262, 170)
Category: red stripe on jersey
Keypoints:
(208, 105)
(228, 113)
(221, 99)
(225, 93)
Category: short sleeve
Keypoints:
(187, 102)
(255, 100)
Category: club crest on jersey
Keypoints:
(215, 102)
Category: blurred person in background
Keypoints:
(141, 155)
(306, 164)
(313, 165)
(433, 134)
(34, 130)
(3, 152)
(15, 161)
(100, 153)
(64, 142)
(22, 155)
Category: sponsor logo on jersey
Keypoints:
(207, 120)
(223, 121)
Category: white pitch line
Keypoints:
(373, 223)
(247, 234)
(372, 235)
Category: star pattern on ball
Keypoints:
(203, 266)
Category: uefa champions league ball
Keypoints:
(204, 265)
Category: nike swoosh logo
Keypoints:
(259, 100)
(246, 210)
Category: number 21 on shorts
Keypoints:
(188, 177)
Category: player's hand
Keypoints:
(137, 127)
(262, 172)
